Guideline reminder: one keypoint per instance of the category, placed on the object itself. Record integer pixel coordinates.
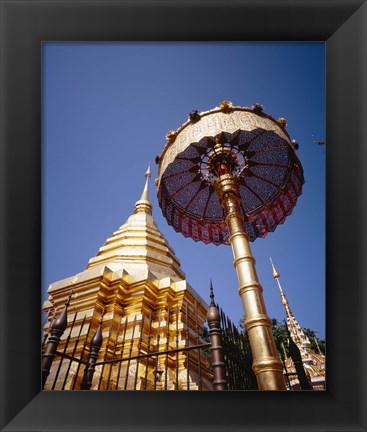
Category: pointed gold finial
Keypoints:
(276, 275)
(225, 105)
(147, 174)
(144, 205)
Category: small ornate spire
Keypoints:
(216, 346)
(295, 329)
(211, 294)
(97, 339)
(213, 315)
(144, 205)
(61, 322)
(276, 276)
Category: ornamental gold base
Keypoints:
(266, 363)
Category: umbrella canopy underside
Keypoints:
(269, 176)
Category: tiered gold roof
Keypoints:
(135, 274)
(139, 245)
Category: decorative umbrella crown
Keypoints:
(246, 143)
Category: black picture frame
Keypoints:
(25, 24)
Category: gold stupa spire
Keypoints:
(276, 276)
(138, 245)
(144, 205)
(295, 329)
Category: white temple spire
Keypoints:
(295, 329)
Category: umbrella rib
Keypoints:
(194, 159)
(248, 143)
(207, 203)
(270, 164)
(254, 193)
(266, 149)
(179, 189)
(265, 180)
(194, 196)
(177, 173)
(243, 209)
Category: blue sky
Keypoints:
(106, 110)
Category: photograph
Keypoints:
(183, 216)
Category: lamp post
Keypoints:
(228, 176)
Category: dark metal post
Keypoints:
(216, 348)
(66, 344)
(45, 335)
(283, 358)
(121, 353)
(157, 372)
(167, 347)
(148, 349)
(81, 355)
(130, 354)
(198, 343)
(298, 363)
(113, 354)
(72, 355)
(139, 351)
(57, 329)
(95, 346)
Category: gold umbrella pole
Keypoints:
(266, 363)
